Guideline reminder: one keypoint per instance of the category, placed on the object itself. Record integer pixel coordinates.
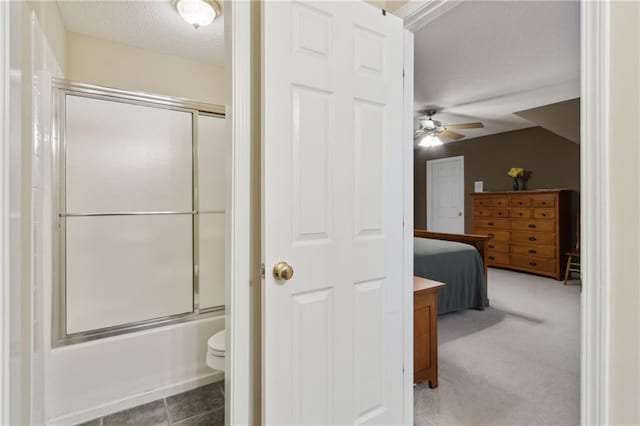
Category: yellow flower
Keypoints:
(515, 172)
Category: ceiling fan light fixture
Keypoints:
(198, 12)
(430, 140)
(428, 124)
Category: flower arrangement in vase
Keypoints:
(516, 173)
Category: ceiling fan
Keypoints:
(429, 129)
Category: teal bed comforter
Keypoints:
(456, 264)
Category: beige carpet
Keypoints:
(515, 363)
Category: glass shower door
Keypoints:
(127, 210)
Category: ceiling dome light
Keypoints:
(198, 12)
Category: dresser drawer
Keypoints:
(497, 258)
(482, 212)
(482, 202)
(521, 213)
(544, 213)
(533, 225)
(491, 223)
(520, 201)
(534, 263)
(545, 238)
(494, 234)
(498, 246)
(533, 250)
(497, 212)
(500, 202)
(544, 201)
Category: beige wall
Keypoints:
(106, 63)
(53, 28)
(393, 5)
(624, 308)
(554, 162)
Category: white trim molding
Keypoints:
(418, 13)
(595, 202)
(4, 214)
(407, 256)
(238, 386)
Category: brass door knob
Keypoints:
(282, 271)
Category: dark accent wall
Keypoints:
(553, 162)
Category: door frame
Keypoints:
(240, 42)
(408, 220)
(595, 194)
(4, 215)
(429, 188)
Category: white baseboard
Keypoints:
(135, 400)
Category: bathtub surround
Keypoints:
(46, 41)
(201, 406)
(92, 379)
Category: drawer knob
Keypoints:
(532, 238)
(520, 214)
(499, 213)
(490, 223)
(533, 263)
(491, 258)
(492, 246)
(532, 225)
(532, 251)
(544, 215)
(544, 203)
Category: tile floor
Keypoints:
(198, 407)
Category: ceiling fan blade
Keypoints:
(452, 135)
(465, 126)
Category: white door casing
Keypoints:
(332, 208)
(445, 195)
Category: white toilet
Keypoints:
(216, 351)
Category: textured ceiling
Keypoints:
(483, 61)
(153, 25)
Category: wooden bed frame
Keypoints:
(480, 242)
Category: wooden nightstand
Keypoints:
(425, 330)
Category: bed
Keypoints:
(458, 260)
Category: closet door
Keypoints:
(128, 204)
(213, 182)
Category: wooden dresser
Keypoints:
(531, 230)
(425, 330)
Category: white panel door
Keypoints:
(445, 195)
(332, 209)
